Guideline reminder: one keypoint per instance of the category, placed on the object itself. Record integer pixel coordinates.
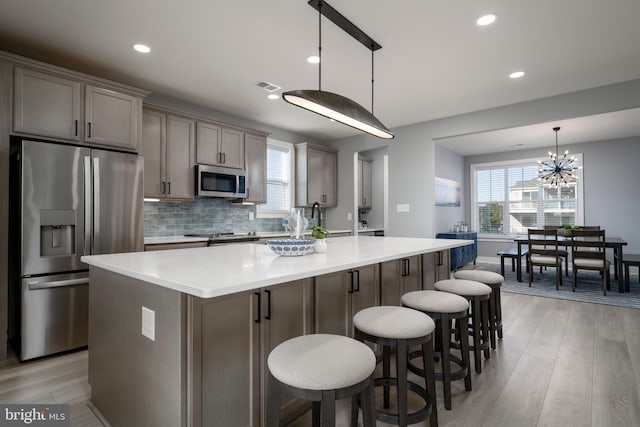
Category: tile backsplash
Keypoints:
(203, 215)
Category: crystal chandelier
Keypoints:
(557, 171)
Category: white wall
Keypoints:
(412, 153)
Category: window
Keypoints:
(279, 180)
(507, 199)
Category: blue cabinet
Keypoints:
(463, 254)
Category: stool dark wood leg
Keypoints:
(463, 331)
(401, 388)
(446, 363)
(315, 414)
(477, 343)
(485, 327)
(499, 313)
(328, 409)
(273, 402)
(369, 405)
(386, 373)
(492, 318)
(354, 411)
(430, 380)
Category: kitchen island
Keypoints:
(180, 337)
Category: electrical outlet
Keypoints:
(252, 216)
(349, 216)
(149, 323)
(403, 208)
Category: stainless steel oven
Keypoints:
(215, 181)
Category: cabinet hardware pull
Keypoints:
(268, 315)
(357, 281)
(89, 125)
(408, 267)
(164, 188)
(169, 187)
(218, 157)
(440, 260)
(76, 124)
(351, 282)
(224, 158)
(259, 311)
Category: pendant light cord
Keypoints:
(320, 46)
(372, 81)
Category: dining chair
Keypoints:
(564, 253)
(588, 253)
(543, 252)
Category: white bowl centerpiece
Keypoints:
(291, 247)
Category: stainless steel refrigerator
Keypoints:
(67, 201)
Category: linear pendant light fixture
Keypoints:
(332, 105)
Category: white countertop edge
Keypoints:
(161, 240)
(253, 283)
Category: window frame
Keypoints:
(260, 211)
(506, 164)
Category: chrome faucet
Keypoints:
(313, 210)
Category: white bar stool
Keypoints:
(322, 368)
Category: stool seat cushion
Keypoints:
(487, 277)
(435, 301)
(393, 322)
(321, 362)
(465, 288)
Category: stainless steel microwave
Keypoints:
(214, 181)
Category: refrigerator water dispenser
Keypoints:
(57, 232)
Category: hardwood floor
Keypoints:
(561, 363)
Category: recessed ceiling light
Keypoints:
(486, 20)
(516, 74)
(273, 96)
(313, 59)
(142, 48)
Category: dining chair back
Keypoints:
(543, 252)
(588, 253)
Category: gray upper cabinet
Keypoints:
(365, 179)
(46, 105)
(316, 175)
(111, 118)
(255, 155)
(168, 149)
(219, 146)
(49, 105)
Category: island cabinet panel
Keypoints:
(435, 266)
(233, 336)
(338, 296)
(398, 277)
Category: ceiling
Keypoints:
(434, 62)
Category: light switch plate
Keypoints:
(251, 216)
(149, 323)
(349, 216)
(403, 208)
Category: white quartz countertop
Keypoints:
(221, 270)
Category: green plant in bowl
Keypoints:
(319, 232)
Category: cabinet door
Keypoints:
(286, 313)
(329, 179)
(232, 148)
(411, 274)
(226, 379)
(46, 105)
(365, 185)
(332, 310)
(153, 136)
(180, 158)
(390, 282)
(314, 176)
(255, 151)
(111, 118)
(366, 289)
(207, 143)
(435, 266)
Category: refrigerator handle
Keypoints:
(87, 206)
(96, 202)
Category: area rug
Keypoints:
(589, 286)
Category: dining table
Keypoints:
(615, 243)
